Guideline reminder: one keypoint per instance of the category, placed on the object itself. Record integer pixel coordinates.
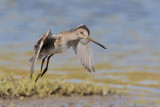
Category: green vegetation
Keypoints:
(12, 88)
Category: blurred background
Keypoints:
(128, 28)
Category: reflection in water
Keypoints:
(130, 30)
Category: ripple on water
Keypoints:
(111, 77)
(149, 82)
(139, 90)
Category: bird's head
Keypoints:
(83, 33)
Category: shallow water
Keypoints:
(129, 28)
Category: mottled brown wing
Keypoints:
(37, 48)
(83, 49)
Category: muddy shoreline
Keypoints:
(81, 101)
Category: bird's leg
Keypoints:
(39, 74)
(42, 64)
(46, 65)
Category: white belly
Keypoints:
(62, 48)
(59, 49)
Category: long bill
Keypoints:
(96, 42)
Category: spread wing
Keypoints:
(37, 48)
(83, 49)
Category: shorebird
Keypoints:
(49, 44)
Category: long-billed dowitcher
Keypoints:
(49, 44)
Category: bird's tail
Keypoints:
(31, 59)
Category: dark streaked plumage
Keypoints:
(78, 38)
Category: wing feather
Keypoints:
(37, 48)
(83, 49)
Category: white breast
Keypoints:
(62, 48)
(59, 49)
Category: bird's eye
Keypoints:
(82, 33)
